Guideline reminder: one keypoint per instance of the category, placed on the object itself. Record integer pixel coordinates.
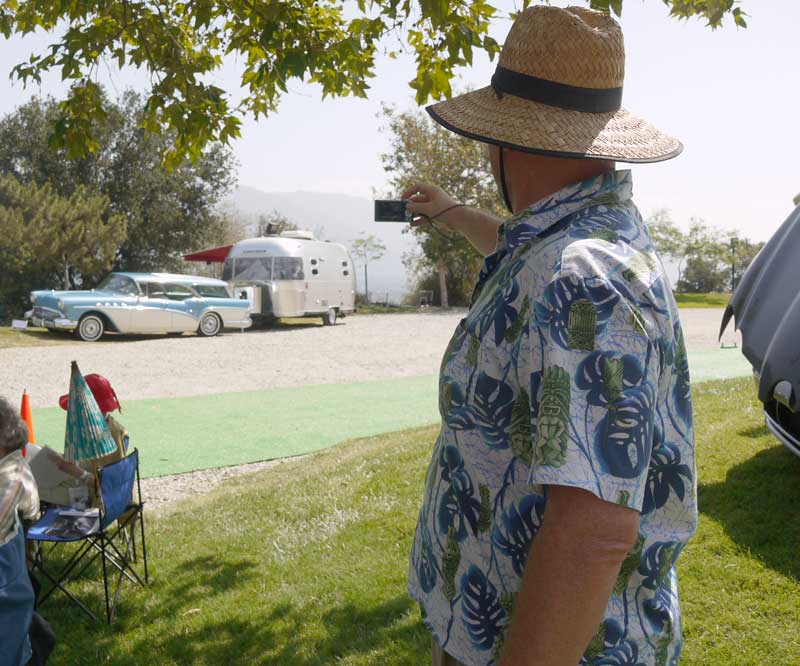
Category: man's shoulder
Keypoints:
(609, 240)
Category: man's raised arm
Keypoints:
(477, 226)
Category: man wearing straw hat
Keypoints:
(562, 485)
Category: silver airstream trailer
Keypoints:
(292, 275)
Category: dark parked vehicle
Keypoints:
(766, 308)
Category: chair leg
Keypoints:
(130, 541)
(144, 545)
(123, 566)
(105, 579)
(116, 597)
(57, 584)
(104, 547)
(66, 570)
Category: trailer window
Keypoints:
(250, 269)
(287, 268)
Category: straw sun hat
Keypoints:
(557, 91)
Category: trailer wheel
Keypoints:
(329, 319)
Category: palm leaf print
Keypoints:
(481, 611)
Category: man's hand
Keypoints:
(429, 200)
(573, 564)
(478, 227)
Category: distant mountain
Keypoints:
(336, 217)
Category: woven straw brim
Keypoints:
(514, 122)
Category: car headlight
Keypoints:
(60, 304)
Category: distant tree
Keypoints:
(273, 223)
(366, 249)
(167, 213)
(668, 239)
(741, 252)
(49, 241)
(181, 46)
(422, 151)
(703, 276)
(704, 257)
(708, 260)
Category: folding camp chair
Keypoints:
(111, 540)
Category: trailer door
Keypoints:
(318, 281)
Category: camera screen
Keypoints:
(391, 211)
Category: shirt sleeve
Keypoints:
(29, 502)
(18, 492)
(594, 389)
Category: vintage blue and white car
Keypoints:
(142, 303)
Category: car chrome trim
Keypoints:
(782, 434)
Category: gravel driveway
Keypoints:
(359, 348)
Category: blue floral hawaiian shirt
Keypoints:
(569, 369)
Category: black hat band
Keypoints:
(575, 98)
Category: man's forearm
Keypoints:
(567, 583)
(477, 226)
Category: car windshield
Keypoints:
(119, 284)
(212, 290)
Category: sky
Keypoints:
(730, 95)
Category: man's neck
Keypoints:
(535, 177)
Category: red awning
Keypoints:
(214, 255)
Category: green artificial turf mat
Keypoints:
(176, 435)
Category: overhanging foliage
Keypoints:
(182, 43)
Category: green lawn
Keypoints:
(32, 337)
(702, 300)
(305, 564)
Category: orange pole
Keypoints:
(25, 410)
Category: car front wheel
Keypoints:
(210, 325)
(90, 328)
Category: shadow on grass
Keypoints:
(758, 505)
(754, 432)
(281, 636)
(189, 582)
(182, 618)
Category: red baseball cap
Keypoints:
(102, 391)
